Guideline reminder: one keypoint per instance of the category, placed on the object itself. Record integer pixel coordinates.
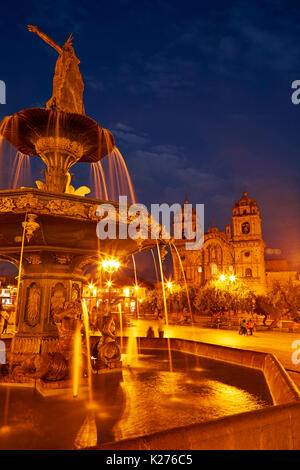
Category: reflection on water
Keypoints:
(198, 390)
(137, 401)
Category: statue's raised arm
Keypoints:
(67, 82)
(35, 29)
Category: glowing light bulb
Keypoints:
(110, 264)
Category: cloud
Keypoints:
(242, 39)
(92, 82)
(122, 127)
(127, 134)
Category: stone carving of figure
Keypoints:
(66, 319)
(33, 305)
(108, 351)
(75, 292)
(58, 299)
(67, 83)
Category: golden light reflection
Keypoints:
(87, 434)
(110, 265)
(5, 430)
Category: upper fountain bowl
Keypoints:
(28, 128)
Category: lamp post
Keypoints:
(136, 288)
(110, 265)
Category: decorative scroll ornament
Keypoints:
(62, 259)
(30, 226)
(63, 145)
(33, 259)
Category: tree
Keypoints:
(222, 296)
(263, 306)
(285, 300)
(176, 297)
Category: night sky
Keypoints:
(197, 94)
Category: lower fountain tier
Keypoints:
(67, 226)
(61, 246)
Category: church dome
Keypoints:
(245, 205)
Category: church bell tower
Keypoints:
(248, 243)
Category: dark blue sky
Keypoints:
(197, 94)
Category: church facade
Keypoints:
(239, 250)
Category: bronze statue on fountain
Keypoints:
(61, 134)
(106, 352)
(53, 366)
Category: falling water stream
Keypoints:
(184, 278)
(20, 174)
(121, 328)
(77, 362)
(165, 304)
(135, 287)
(87, 434)
(110, 178)
(155, 266)
(132, 349)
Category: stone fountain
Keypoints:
(50, 232)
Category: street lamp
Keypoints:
(230, 279)
(110, 265)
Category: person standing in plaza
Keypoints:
(161, 324)
(243, 327)
(250, 326)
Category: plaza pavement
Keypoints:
(275, 342)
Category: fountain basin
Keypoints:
(255, 429)
(26, 128)
(216, 398)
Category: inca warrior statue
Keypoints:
(67, 83)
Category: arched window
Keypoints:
(214, 269)
(248, 272)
